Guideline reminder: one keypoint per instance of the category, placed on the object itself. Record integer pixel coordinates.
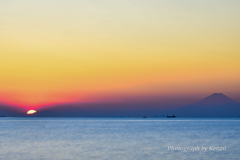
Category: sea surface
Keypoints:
(119, 138)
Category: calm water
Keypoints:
(118, 138)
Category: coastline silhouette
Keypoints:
(215, 105)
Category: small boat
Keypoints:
(144, 117)
(173, 116)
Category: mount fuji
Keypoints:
(215, 105)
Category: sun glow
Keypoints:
(31, 112)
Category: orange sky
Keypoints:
(83, 51)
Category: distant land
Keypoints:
(215, 105)
(11, 111)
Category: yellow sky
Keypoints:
(56, 51)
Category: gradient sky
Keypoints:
(57, 51)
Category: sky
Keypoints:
(91, 51)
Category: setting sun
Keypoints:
(31, 112)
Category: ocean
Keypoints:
(119, 138)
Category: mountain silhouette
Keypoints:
(215, 105)
(216, 99)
